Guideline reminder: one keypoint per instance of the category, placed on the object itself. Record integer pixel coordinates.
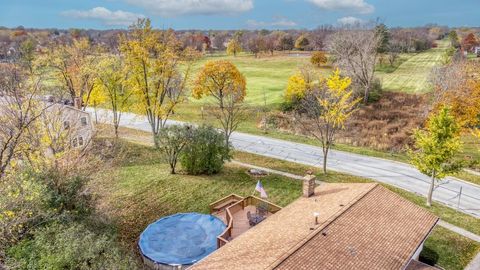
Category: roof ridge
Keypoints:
(315, 232)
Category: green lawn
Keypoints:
(412, 76)
(451, 251)
(138, 189)
(269, 74)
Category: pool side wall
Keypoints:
(158, 266)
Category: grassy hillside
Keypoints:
(412, 76)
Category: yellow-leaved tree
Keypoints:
(222, 81)
(296, 88)
(112, 89)
(157, 69)
(325, 110)
(234, 47)
(73, 66)
(436, 148)
(298, 85)
(97, 97)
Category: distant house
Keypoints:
(333, 226)
(477, 51)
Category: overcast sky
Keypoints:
(235, 14)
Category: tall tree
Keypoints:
(19, 110)
(435, 148)
(111, 85)
(453, 37)
(157, 69)
(302, 42)
(172, 140)
(355, 53)
(383, 34)
(73, 66)
(325, 110)
(286, 42)
(469, 42)
(234, 47)
(457, 86)
(227, 86)
(256, 45)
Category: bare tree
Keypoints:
(19, 109)
(394, 50)
(355, 53)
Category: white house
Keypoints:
(76, 123)
(477, 51)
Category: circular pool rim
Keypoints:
(155, 262)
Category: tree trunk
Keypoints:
(115, 126)
(96, 116)
(155, 141)
(430, 191)
(325, 156)
(367, 93)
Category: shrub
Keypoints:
(23, 204)
(68, 247)
(376, 91)
(171, 140)
(318, 59)
(206, 151)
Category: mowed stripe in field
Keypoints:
(413, 75)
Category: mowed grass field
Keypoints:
(267, 74)
(413, 75)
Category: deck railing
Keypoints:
(231, 197)
(241, 203)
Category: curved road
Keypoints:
(394, 173)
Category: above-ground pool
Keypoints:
(180, 239)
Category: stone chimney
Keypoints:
(77, 103)
(308, 185)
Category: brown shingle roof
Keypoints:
(380, 231)
(365, 226)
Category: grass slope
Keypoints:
(412, 76)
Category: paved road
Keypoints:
(390, 172)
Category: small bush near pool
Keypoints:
(206, 151)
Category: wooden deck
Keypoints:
(233, 210)
(240, 220)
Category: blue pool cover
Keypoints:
(181, 239)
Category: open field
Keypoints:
(269, 74)
(412, 76)
(138, 190)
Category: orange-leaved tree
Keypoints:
(318, 58)
(458, 87)
(222, 81)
